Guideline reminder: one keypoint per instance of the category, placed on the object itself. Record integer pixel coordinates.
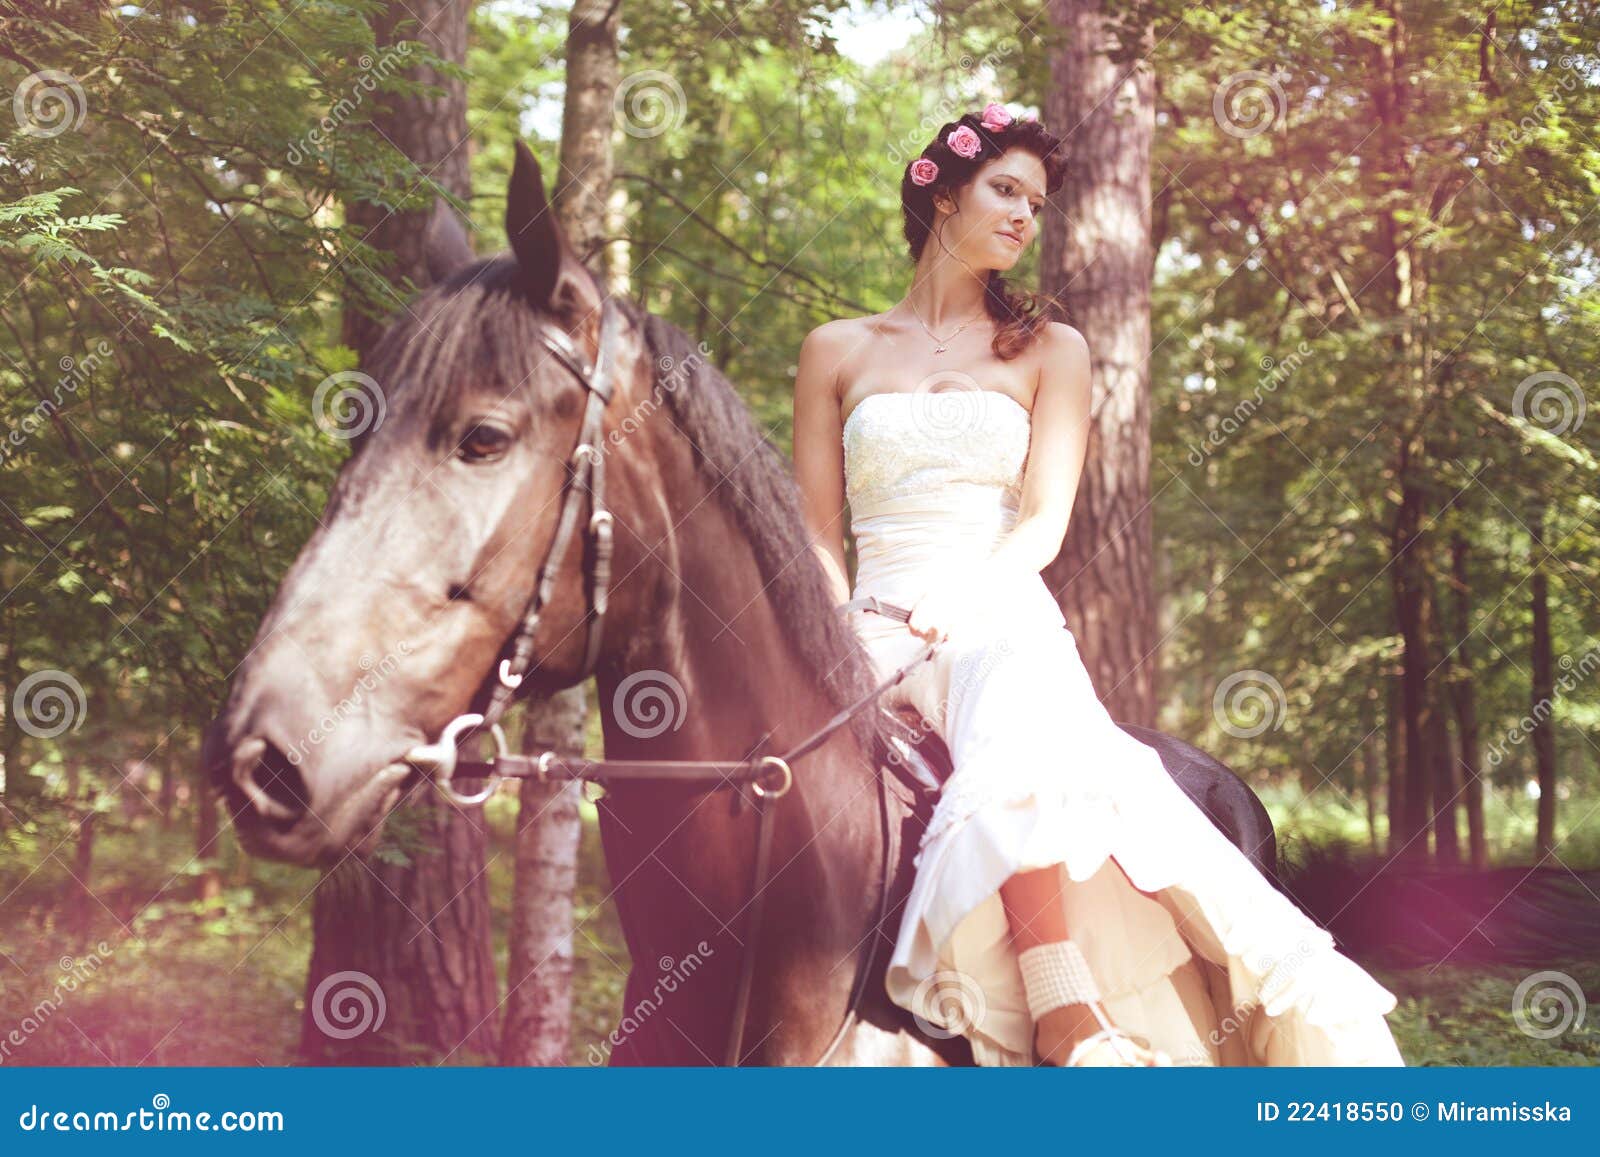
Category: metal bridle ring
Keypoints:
(785, 773)
(451, 737)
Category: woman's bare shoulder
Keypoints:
(1059, 337)
(843, 329)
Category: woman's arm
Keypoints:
(819, 452)
(1059, 443)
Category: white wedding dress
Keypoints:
(1190, 945)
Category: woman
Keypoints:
(1071, 904)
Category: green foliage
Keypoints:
(1466, 1016)
(1384, 267)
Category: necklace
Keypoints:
(941, 344)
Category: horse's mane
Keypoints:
(476, 324)
(756, 485)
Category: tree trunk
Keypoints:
(85, 905)
(1446, 796)
(167, 796)
(539, 998)
(1441, 755)
(1408, 546)
(1544, 737)
(1371, 769)
(208, 884)
(539, 980)
(1411, 609)
(432, 132)
(1394, 759)
(402, 966)
(583, 179)
(1466, 708)
(1101, 268)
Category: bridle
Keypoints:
(769, 776)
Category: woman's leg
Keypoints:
(1037, 914)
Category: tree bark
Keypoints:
(1394, 758)
(402, 966)
(539, 980)
(1370, 776)
(208, 884)
(594, 70)
(1408, 545)
(1543, 695)
(1466, 708)
(539, 999)
(432, 132)
(1441, 757)
(1101, 268)
(1411, 609)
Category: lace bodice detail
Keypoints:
(898, 443)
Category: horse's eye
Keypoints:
(483, 443)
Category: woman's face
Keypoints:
(998, 210)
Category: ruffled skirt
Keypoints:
(1190, 945)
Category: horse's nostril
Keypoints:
(269, 781)
(459, 593)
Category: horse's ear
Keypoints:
(551, 272)
(445, 246)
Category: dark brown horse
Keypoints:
(720, 640)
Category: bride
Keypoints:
(1071, 905)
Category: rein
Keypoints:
(769, 776)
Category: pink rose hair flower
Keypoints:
(924, 171)
(964, 142)
(995, 117)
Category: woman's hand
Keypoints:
(937, 611)
(966, 596)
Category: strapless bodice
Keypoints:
(902, 444)
(933, 479)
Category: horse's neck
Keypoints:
(714, 678)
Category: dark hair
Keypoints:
(1020, 313)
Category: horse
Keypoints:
(720, 641)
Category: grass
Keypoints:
(176, 985)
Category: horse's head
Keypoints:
(400, 605)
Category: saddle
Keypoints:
(917, 753)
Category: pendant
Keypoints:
(939, 349)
